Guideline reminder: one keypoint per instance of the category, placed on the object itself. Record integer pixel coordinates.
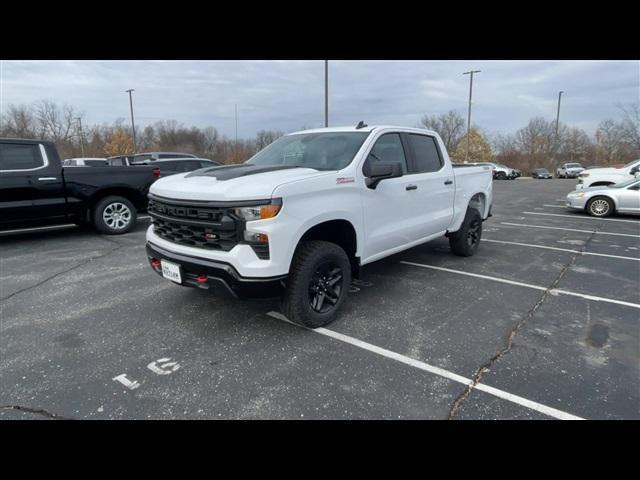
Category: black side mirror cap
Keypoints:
(376, 171)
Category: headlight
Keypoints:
(259, 212)
(577, 194)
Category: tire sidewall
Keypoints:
(99, 222)
(458, 241)
(609, 212)
(299, 296)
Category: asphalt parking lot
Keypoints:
(543, 323)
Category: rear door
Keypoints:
(434, 182)
(31, 184)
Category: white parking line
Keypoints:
(577, 217)
(554, 206)
(561, 249)
(144, 216)
(570, 229)
(552, 412)
(553, 291)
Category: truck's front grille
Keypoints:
(195, 226)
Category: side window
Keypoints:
(168, 166)
(635, 187)
(205, 164)
(425, 153)
(185, 166)
(14, 156)
(388, 148)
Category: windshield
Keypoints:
(574, 165)
(632, 162)
(542, 170)
(625, 184)
(321, 151)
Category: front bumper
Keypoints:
(218, 277)
(576, 203)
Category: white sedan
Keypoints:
(603, 201)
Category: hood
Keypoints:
(230, 182)
(605, 170)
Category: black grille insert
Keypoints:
(212, 228)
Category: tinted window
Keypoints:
(206, 164)
(19, 157)
(425, 154)
(140, 158)
(388, 148)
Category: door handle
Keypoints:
(411, 187)
(448, 182)
(43, 179)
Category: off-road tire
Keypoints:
(466, 240)
(309, 257)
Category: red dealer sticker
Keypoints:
(345, 180)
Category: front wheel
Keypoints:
(318, 283)
(114, 215)
(466, 240)
(600, 207)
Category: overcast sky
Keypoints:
(286, 95)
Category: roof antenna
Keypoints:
(361, 125)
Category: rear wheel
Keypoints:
(600, 207)
(114, 215)
(466, 240)
(501, 175)
(318, 283)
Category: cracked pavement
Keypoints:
(78, 309)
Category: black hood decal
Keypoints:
(229, 172)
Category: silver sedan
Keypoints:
(603, 201)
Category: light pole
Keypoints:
(471, 72)
(79, 119)
(326, 93)
(133, 125)
(558, 114)
(236, 144)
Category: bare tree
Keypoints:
(266, 137)
(631, 125)
(450, 126)
(610, 138)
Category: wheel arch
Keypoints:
(339, 231)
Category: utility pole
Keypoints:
(79, 119)
(236, 144)
(558, 114)
(326, 93)
(133, 125)
(471, 72)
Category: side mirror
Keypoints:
(376, 171)
(634, 170)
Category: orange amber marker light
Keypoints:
(269, 211)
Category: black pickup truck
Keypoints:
(35, 190)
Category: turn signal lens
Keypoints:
(269, 211)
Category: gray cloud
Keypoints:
(286, 95)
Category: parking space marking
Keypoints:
(561, 249)
(583, 217)
(554, 206)
(552, 412)
(122, 378)
(570, 229)
(144, 217)
(553, 291)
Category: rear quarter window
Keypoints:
(14, 156)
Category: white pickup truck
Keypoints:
(597, 177)
(301, 217)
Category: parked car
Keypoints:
(502, 172)
(179, 165)
(569, 170)
(120, 160)
(159, 156)
(85, 162)
(608, 176)
(603, 201)
(302, 216)
(541, 173)
(35, 189)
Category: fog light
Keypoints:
(256, 237)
